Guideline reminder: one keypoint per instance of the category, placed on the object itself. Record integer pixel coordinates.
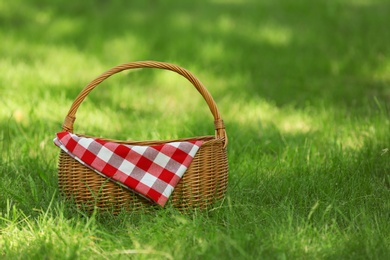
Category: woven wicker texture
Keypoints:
(204, 182)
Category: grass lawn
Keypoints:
(303, 87)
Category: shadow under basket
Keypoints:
(203, 183)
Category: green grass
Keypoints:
(303, 87)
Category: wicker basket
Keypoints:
(204, 181)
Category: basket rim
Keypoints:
(205, 138)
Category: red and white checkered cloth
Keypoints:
(152, 171)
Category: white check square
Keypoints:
(126, 167)
(105, 154)
(139, 149)
(162, 160)
(168, 191)
(85, 142)
(182, 169)
(193, 151)
(148, 180)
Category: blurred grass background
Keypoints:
(303, 87)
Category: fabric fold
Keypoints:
(151, 171)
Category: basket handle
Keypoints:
(220, 131)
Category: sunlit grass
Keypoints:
(303, 89)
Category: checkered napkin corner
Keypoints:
(152, 171)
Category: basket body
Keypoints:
(204, 181)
